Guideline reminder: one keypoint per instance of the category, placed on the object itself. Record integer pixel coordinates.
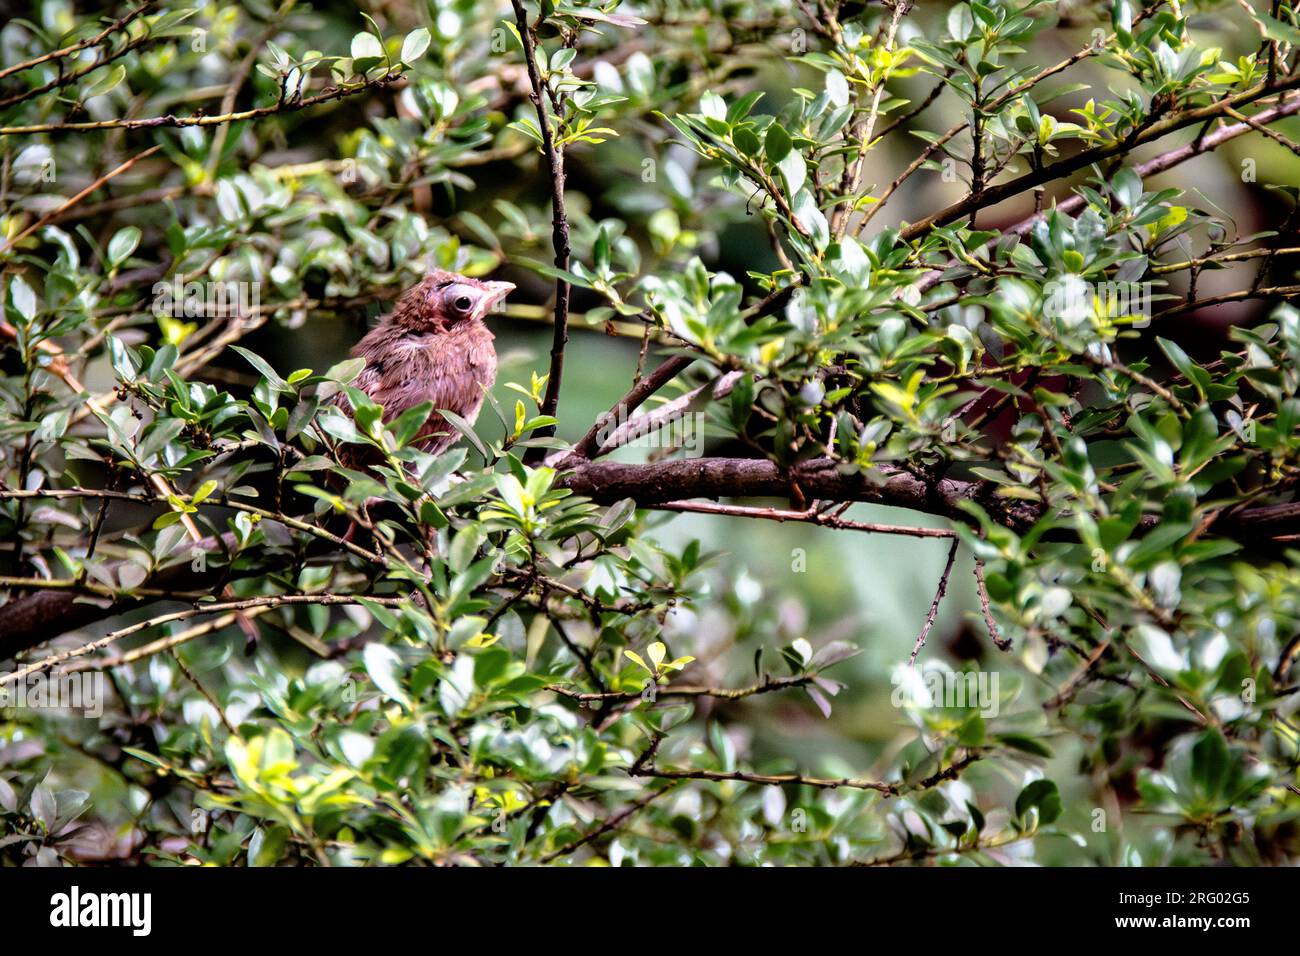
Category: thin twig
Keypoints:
(1067, 691)
(162, 644)
(934, 605)
(769, 779)
(66, 79)
(237, 80)
(55, 213)
(811, 517)
(1003, 644)
(1011, 92)
(1177, 120)
(176, 122)
(1174, 157)
(720, 693)
(1241, 295)
(611, 823)
(852, 177)
(80, 45)
(647, 386)
(207, 694)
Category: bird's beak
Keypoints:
(496, 292)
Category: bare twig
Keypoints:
(611, 823)
(821, 518)
(719, 693)
(163, 643)
(769, 779)
(647, 386)
(175, 122)
(934, 605)
(207, 694)
(1002, 643)
(1241, 295)
(951, 772)
(642, 390)
(1067, 691)
(55, 213)
(77, 47)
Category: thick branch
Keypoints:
(36, 618)
(822, 478)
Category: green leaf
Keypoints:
(1029, 745)
(386, 670)
(106, 83)
(259, 363)
(793, 172)
(122, 245)
(1211, 763)
(367, 46)
(413, 47)
(776, 144)
(1043, 796)
(21, 298)
(466, 429)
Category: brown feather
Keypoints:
(429, 350)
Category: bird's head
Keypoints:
(441, 301)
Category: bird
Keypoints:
(433, 347)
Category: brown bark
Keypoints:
(36, 618)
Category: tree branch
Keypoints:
(685, 690)
(588, 446)
(934, 605)
(174, 122)
(98, 38)
(1168, 160)
(993, 195)
(559, 225)
(33, 619)
(611, 823)
(270, 600)
(821, 518)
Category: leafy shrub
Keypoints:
(502, 654)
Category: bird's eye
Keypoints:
(462, 303)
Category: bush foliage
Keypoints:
(974, 303)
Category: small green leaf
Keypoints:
(122, 245)
(413, 47)
(1043, 796)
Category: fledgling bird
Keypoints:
(433, 347)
